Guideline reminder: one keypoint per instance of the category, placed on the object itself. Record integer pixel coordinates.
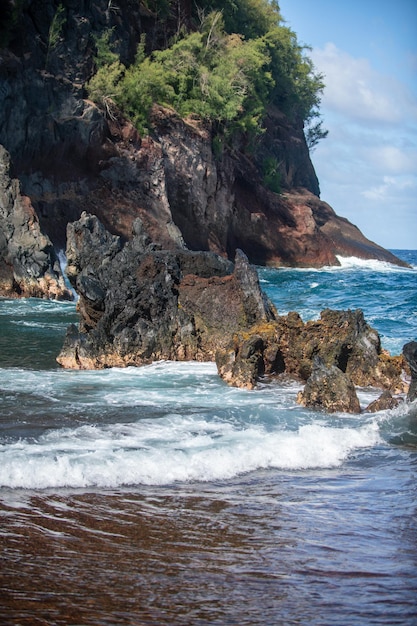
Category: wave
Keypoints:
(137, 392)
(173, 449)
(346, 263)
(374, 265)
(33, 306)
(42, 325)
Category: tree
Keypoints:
(240, 60)
(314, 134)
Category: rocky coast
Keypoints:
(161, 229)
(139, 303)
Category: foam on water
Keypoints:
(32, 306)
(202, 429)
(170, 422)
(174, 448)
(373, 265)
(386, 294)
(163, 384)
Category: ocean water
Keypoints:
(159, 495)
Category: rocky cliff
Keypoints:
(68, 156)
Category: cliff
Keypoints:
(68, 156)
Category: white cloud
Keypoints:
(367, 167)
(391, 158)
(355, 89)
(391, 188)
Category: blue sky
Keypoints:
(367, 166)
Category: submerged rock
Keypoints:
(330, 389)
(385, 402)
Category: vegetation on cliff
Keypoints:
(235, 172)
(227, 65)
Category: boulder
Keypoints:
(289, 346)
(330, 389)
(385, 402)
(244, 368)
(410, 355)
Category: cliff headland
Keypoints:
(196, 180)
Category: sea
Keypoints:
(160, 495)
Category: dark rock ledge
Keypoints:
(139, 303)
(332, 356)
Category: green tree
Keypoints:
(271, 174)
(250, 18)
(105, 55)
(106, 85)
(239, 61)
(314, 133)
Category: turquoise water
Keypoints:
(158, 495)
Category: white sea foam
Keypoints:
(374, 265)
(43, 325)
(32, 306)
(164, 384)
(175, 448)
(346, 263)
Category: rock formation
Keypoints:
(385, 402)
(69, 156)
(289, 346)
(28, 264)
(330, 389)
(410, 354)
(140, 304)
(152, 223)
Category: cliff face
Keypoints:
(69, 156)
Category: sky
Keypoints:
(367, 165)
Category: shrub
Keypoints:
(240, 60)
(271, 174)
(55, 30)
